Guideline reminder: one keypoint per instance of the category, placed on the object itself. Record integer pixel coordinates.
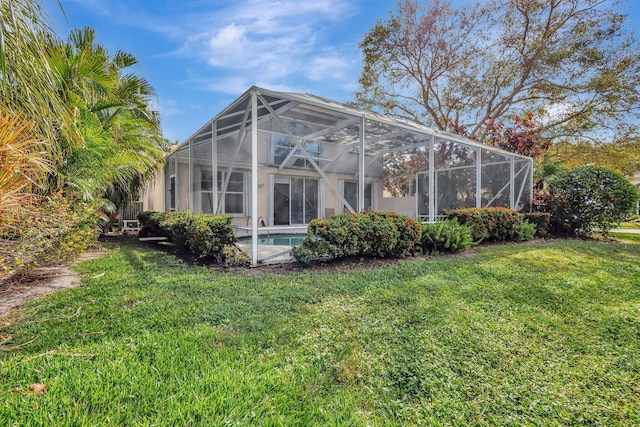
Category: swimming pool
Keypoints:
(276, 239)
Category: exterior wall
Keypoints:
(153, 194)
(402, 205)
(182, 186)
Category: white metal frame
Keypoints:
(241, 121)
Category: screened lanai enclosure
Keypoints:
(274, 161)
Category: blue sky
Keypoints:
(202, 54)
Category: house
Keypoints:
(275, 160)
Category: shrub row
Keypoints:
(204, 235)
(383, 234)
(499, 224)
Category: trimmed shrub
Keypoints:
(587, 198)
(488, 224)
(234, 257)
(409, 231)
(541, 220)
(204, 235)
(369, 233)
(313, 248)
(173, 225)
(144, 217)
(445, 236)
(149, 223)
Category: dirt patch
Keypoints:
(16, 290)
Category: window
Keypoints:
(172, 193)
(233, 201)
(206, 191)
(281, 146)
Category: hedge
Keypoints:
(207, 235)
(203, 234)
(380, 234)
(492, 224)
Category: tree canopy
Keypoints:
(570, 63)
(76, 131)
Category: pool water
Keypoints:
(277, 239)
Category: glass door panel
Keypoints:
(297, 201)
(280, 204)
(310, 200)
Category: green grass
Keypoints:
(627, 237)
(543, 334)
(629, 225)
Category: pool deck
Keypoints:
(271, 254)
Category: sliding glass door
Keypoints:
(295, 200)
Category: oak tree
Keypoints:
(570, 62)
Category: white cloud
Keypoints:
(169, 107)
(229, 46)
(232, 85)
(269, 41)
(329, 67)
(556, 112)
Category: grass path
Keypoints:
(528, 334)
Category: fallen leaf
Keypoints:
(35, 389)
(38, 389)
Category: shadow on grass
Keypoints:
(145, 291)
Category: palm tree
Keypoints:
(28, 88)
(122, 138)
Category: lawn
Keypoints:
(629, 225)
(530, 334)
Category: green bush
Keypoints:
(445, 236)
(234, 257)
(144, 217)
(173, 225)
(525, 231)
(588, 198)
(149, 223)
(488, 224)
(369, 233)
(541, 220)
(313, 248)
(409, 231)
(204, 235)
(56, 230)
